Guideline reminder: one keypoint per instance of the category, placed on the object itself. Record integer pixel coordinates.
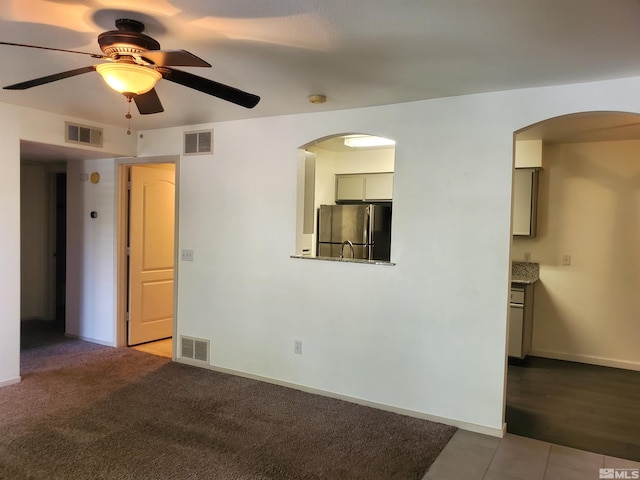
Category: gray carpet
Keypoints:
(86, 411)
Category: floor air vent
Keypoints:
(83, 134)
(198, 143)
(194, 349)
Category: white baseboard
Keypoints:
(494, 432)
(11, 381)
(90, 340)
(590, 359)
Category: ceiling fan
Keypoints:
(135, 64)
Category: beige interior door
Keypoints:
(151, 239)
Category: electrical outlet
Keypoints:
(297, 347)
(566, 260)
(186, 255)
(527, 257)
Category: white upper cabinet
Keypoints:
(349, 187)
(378, 186)
(525, 200)
(366, 187)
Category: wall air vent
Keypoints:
(198, 143)
(194, 349)
(83, 134)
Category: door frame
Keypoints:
(122, 168)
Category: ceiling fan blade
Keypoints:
(93, 55)
(225, 92)
(148, 103)
(173, 58)
(50, 78)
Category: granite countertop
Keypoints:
(344, 260)
(525, 272)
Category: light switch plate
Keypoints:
(566, 260)
(186, 255)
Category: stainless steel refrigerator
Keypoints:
(360, 231)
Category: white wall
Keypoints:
(589, 208)
(91, 251)
(427, 335)
(9, 250)
(18, 123)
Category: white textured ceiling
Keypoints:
(356, 52)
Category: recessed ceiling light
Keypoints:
(360, 141)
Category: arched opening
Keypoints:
(579, 326)
(348, 174)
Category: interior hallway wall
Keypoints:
(9, 249)
(16, 124)
(91, 251)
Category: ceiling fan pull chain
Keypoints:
(128, 115)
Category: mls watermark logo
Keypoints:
(624, 473)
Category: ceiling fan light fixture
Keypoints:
(127, 78)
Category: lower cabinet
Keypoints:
(516, 324)
(520, 320)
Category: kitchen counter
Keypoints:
(525, 273)
(344, 260)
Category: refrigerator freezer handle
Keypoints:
(366, 227)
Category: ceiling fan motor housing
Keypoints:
(127, 40)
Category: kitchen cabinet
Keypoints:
(520, 320)
(349, 187)
(525, 202)
(364, 187)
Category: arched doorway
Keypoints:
(575, 386)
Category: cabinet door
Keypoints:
(379, 186)
(349, 187)
(516, 322)
(525, 186)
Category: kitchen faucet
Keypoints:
(347, 242)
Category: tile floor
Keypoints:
(473, 456)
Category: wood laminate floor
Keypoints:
(582, 406)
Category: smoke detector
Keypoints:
(317, 99)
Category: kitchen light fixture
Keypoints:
(127, 78)
(360, 141)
